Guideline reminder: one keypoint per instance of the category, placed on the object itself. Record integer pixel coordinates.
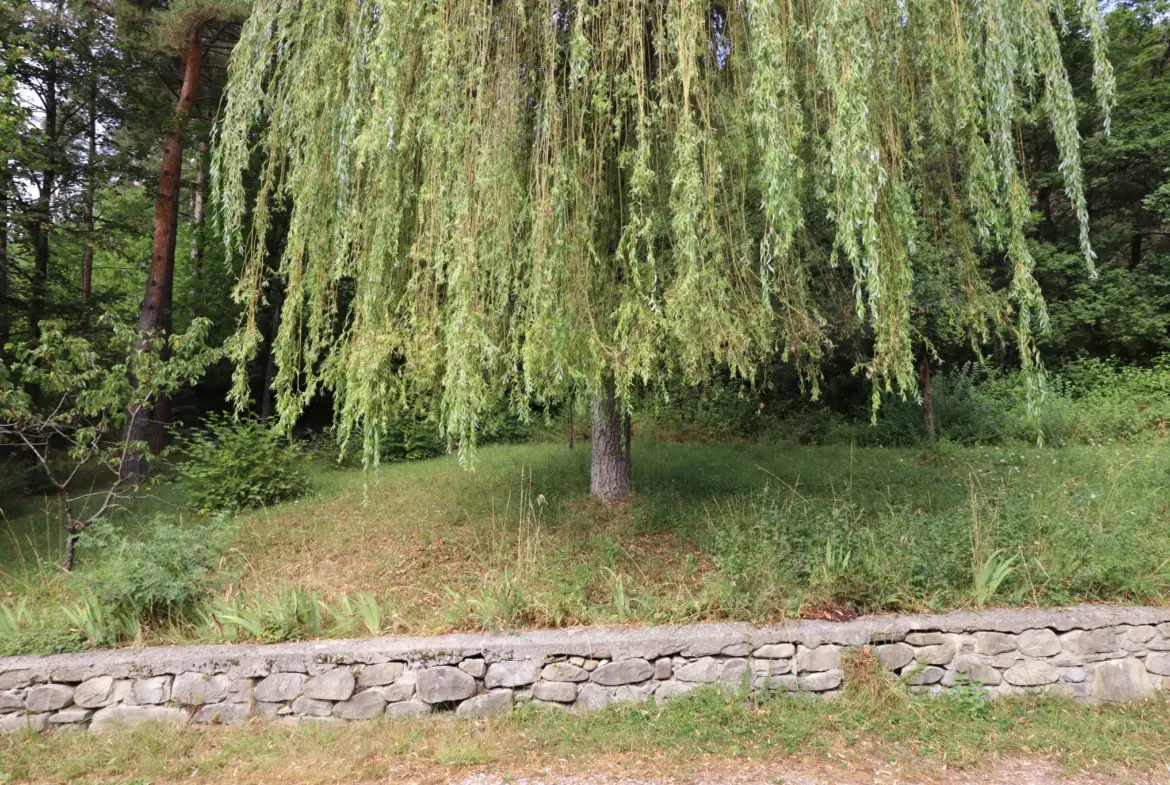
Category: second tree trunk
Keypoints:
(154, 317)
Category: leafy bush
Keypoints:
(968, 409)
(162, 569)
(232, 465)
(721, 409)
(290, 615)
(56, 638)
(412, 435)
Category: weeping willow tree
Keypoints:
(530, 196)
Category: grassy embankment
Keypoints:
(714, 531)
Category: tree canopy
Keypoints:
(520, 196)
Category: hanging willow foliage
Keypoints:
(531, 194)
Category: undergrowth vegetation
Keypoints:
(755, 527)
(1091, 401)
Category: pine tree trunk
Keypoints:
(90, 193)
(609, 478)
(155, 313)
(927, 403)
(5, 319)
(42, 217)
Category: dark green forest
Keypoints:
(90, 97)
(149, 430)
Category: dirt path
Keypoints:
(829, 772)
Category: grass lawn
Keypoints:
(873, 724)
(714, 531)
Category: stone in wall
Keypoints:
(379, 675)
(128, 716)
(894, 656)
(363, 706)
(152, 691)
(1123, 680)
(222, 714)
(48, 697)
(196, 689)
(820, 658)
(336, 684)
(410, 708)
(280, 687)
(511, 674)
(1038, 643)
(632, 671)
(444, 684)
(486, 705)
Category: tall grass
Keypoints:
(1050, 528)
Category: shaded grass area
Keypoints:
(869, 723)
(714, 531)
(745, 531)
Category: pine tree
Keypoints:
(531, 197)
(186, 28)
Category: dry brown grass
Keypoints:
(420, 530)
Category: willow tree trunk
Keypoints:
(277, 301)
(609, 475)
(155, 313)
(927, 401)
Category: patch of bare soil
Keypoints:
(834, 770)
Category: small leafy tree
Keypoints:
(86, 397)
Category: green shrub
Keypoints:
(23, 630)
(410, 437)
(967, 410)
(232, 465)
(158, 570)
(721, 409)
(54, 638)
(1093, 401)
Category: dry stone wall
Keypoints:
(1090, 653)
